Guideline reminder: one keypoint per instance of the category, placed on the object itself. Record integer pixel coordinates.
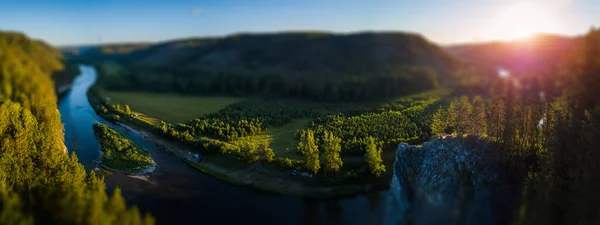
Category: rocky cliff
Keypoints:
(449, 181)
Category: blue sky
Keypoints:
(65, 22)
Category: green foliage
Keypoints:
(496, 111)
(440, 123)
(452, 116)
(226, 129)
(119, 152)
(207, 145)
(12, 208)
(463, 117)
(266, 152)
(308, 147)
(373, 157)
(392, 127)
(39, 182)
(331, 152)
(479, 117)
(249, 151)
(287, 163)
(329, 68)
(464, 124)
(127, 110)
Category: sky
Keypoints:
(73, 22)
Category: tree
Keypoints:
(331, 152)
(496, 116)
(309, 148)
(266, 151)
(127, 110)
(451, 117)
(586, 85)
(479, 117)
(439, 122)
(39, 182)
(373, 157)
(463, 116)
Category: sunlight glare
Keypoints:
(520, 20)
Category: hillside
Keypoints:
(538, 58)
(299, 52)
(101, 52)
(39, 183)
(521, 55)
(338, 66)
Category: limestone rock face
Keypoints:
(448, 180)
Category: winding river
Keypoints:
(176, 193)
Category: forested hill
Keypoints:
(39, 183)
(290, 64)
(525, 55)
(105, 51)
(539, 58)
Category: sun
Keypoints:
(520, 20)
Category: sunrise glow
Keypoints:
(520, 20)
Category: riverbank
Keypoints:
(255, 177)
(267, 177)
(147, 171)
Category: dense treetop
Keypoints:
(39, 182)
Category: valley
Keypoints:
(335, 112)
(187, 190)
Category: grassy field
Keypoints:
(172, 108)
(284, 137)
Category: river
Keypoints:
(176, 193)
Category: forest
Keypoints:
(532, 116)
(39, 182)
(345, 143)
(121, 153)
(309, 66)
(547, 133)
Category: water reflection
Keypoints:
(334, 210)
(311, 212)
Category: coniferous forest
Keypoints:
(39, 182)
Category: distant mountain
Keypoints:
(315, 65)
(539, 60)
(106, 51)
(521, 56)
(297, 51)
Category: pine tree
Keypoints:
(451, 117)
(310, 149)
(373, 156)
(331, 152)
(439, 122)
(479, 117)
(496, 116)
(39, 183)
(463, 116)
